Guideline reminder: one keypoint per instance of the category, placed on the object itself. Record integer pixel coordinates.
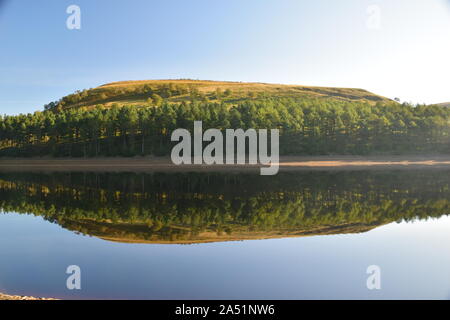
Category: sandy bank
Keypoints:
(7, 297)
(293, 163)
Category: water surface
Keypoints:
(226, 236)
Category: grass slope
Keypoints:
(138, 92)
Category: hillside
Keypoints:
(153, 92)
(445, 104)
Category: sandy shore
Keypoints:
(286, 164)
(7, 297)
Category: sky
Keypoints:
(395, 48)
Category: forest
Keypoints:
(308, 126)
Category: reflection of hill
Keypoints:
(194, 208)
(139, 233)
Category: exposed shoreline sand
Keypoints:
(17, 298)
(292, 163)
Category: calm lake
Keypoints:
(298, 235)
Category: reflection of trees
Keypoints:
(183, 207)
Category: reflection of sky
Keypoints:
(413, 258)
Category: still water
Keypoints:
(305, 235)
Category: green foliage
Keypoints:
(227, 93)
(307, 126)
(157, 100)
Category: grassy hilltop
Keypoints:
(175, 91)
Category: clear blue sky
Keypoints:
(324, 42)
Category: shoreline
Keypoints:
(4, 297)
(286, 163)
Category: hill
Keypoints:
(153, 92)
(445, 104)
(137, 118)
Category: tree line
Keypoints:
(307, 127)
